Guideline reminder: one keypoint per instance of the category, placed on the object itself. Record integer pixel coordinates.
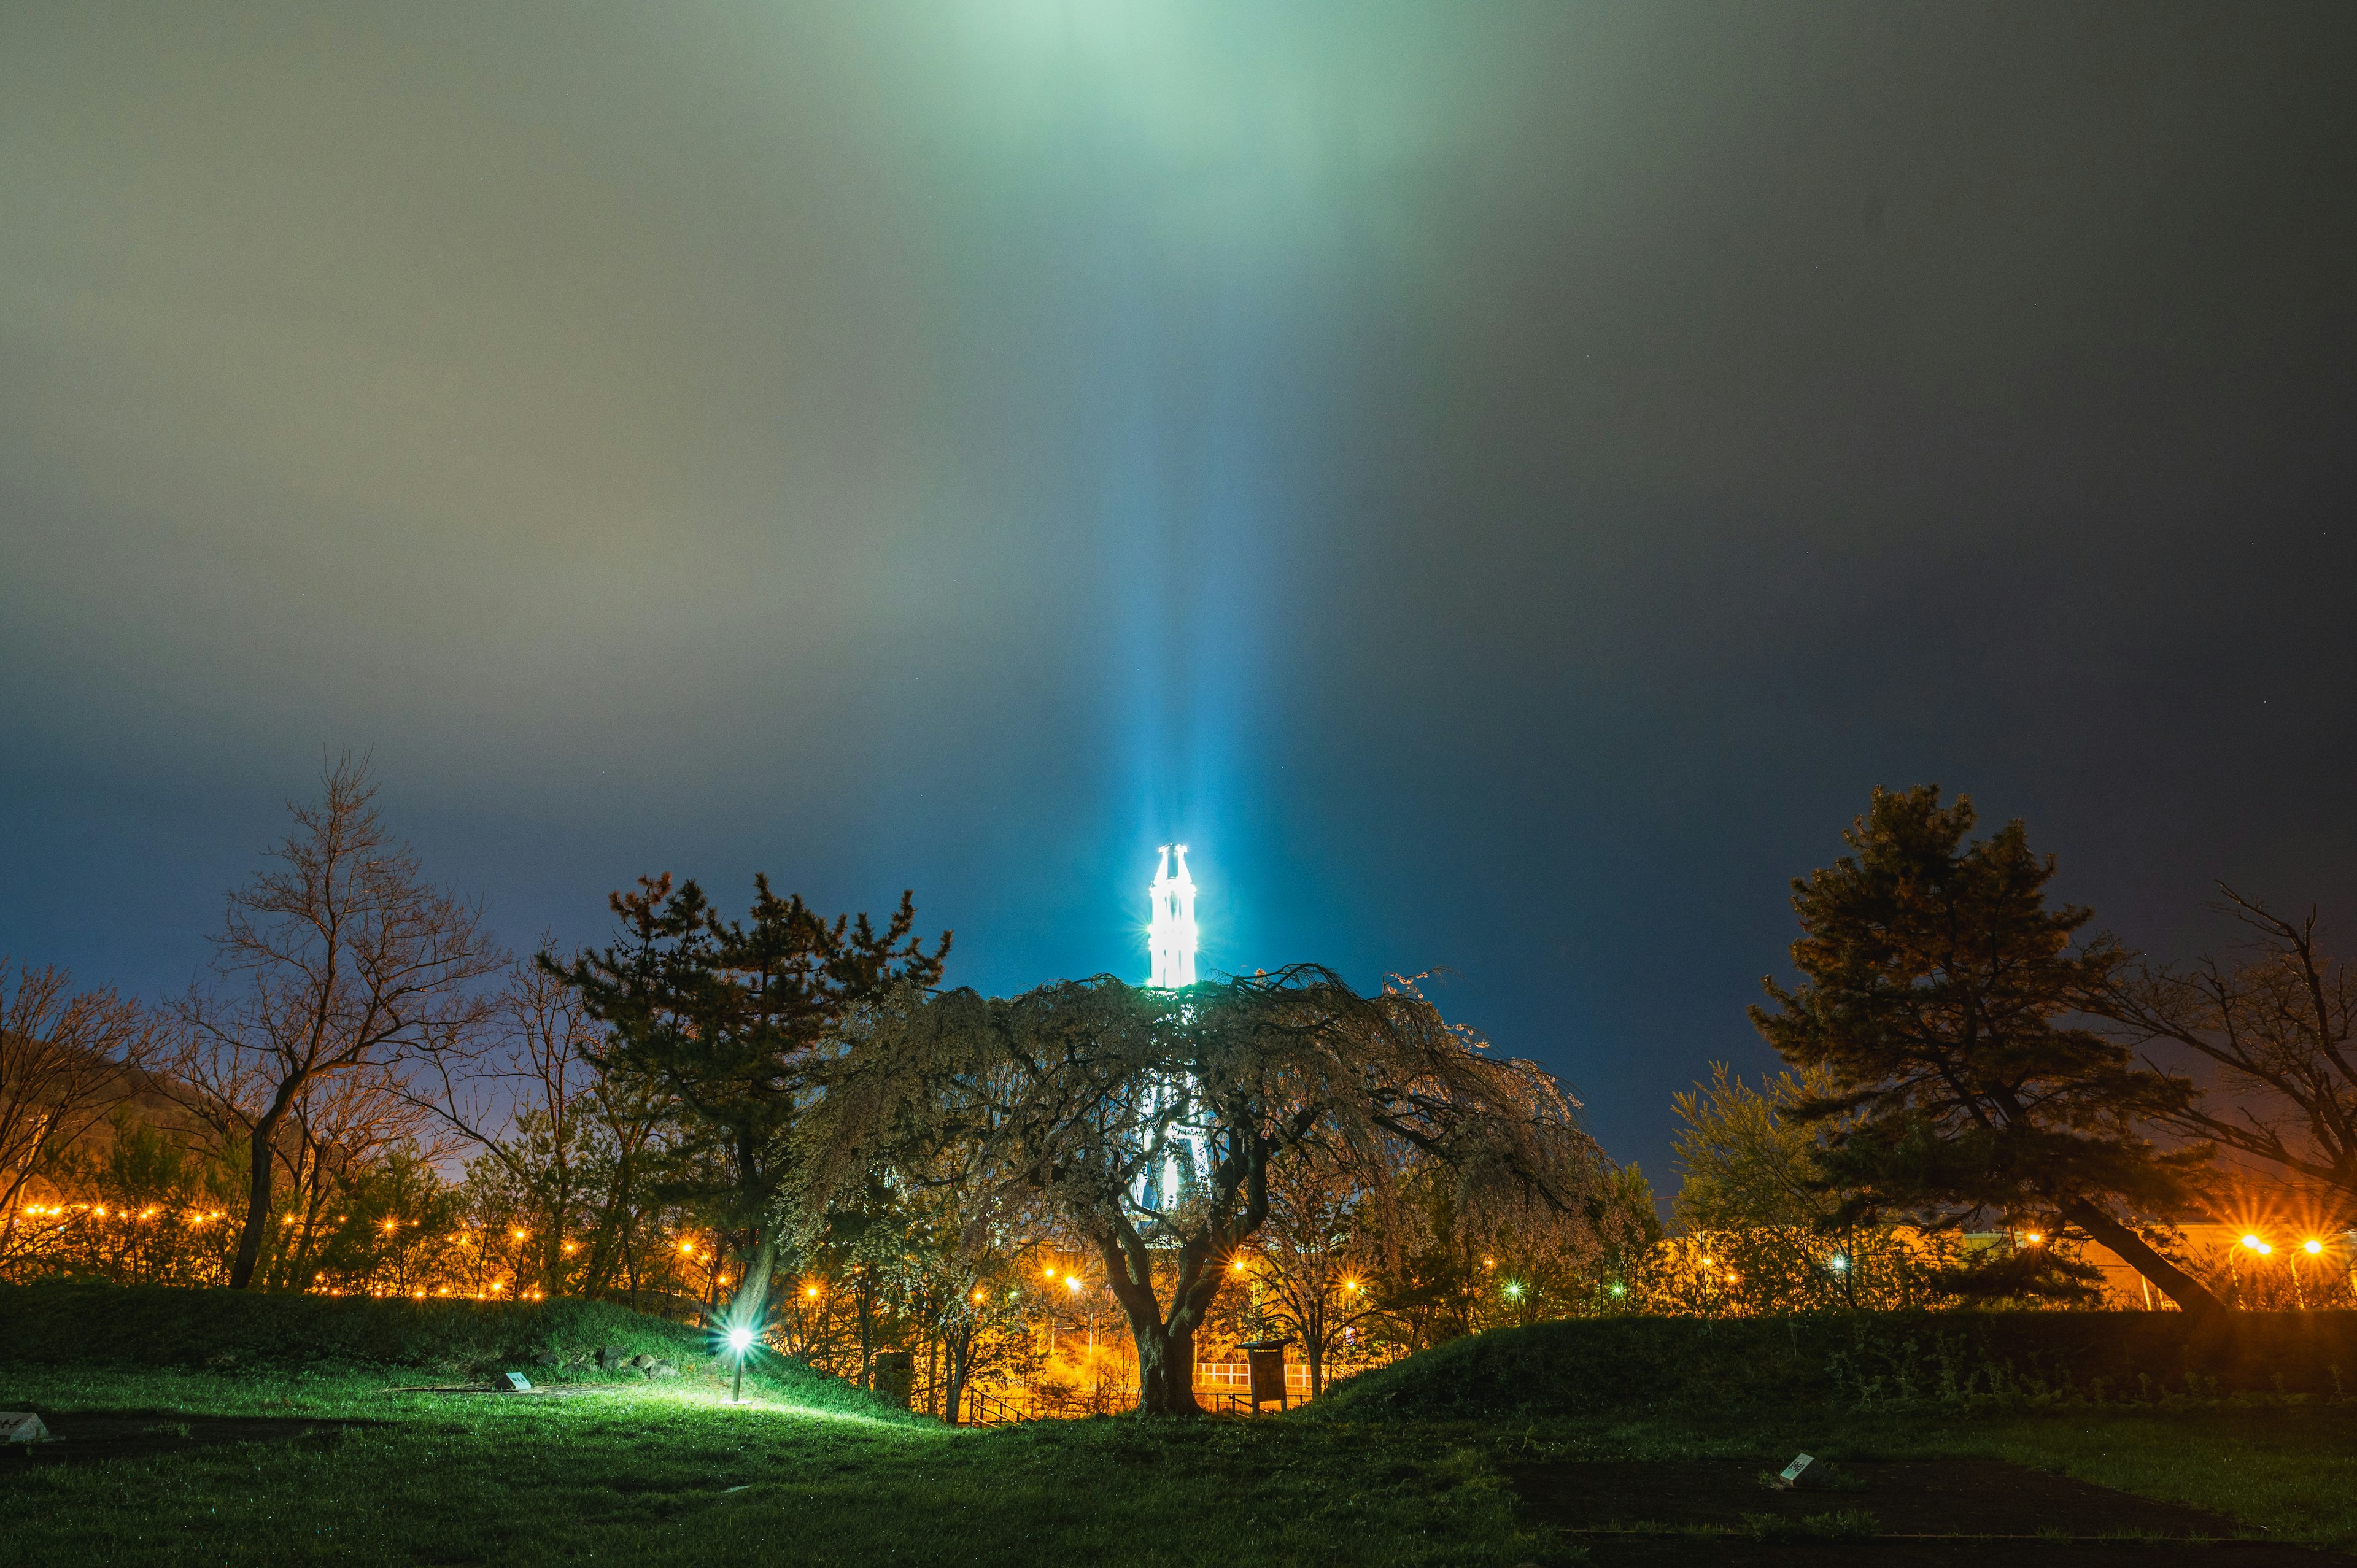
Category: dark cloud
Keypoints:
(1502, 482)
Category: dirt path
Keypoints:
(89, 1436)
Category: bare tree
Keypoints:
(2277, 1017)
(336, 1127)
(1146, 1122)
(1318, 1278)
(66, 1059)
(337, 961)
(534, 1104)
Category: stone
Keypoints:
(548, 1358)
(613, 1356)
(663, 1370)
(22, 1426)
(643, 1361)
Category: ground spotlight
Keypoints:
(740, 1341)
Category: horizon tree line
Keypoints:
(783, 1119)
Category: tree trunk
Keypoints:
(2181, 1287)
(957, 1355)
(862, 1300)
(263, 1151)
(1165, 1368)
(752, 1297)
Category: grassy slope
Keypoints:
(2264, 1437)
(1600, 1365)
(60, 1324)
(644, 1472)
(643, 1476)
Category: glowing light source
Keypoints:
(2036, 1237)
(740, 1339)
(1839, 1263)
(2311, 1246)
(1171, 937)
(1514, 1291)
(2256, 1245)
(1072, 1282)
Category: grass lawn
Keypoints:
(669, 1473)
(2288, 1468)
(286, 1430)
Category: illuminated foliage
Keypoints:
(1074, 1098)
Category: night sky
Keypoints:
(1501, 483)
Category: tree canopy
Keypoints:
(1080, 1099)
(1944, 998)
(729, 1018)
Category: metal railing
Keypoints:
(1216, 1375)
(989, 1409)
(1227, 1404)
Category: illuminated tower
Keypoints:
(1171, 938)
(1172, 935)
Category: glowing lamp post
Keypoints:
(741, 1340)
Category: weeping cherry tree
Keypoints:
(1075, 1104)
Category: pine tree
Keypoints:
(729, 1020)
(1940, 993)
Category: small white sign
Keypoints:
(22, 1426)
(517, 1382)
(1792, 1476)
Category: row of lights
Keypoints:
(100, 1211)
(2259, 1244)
